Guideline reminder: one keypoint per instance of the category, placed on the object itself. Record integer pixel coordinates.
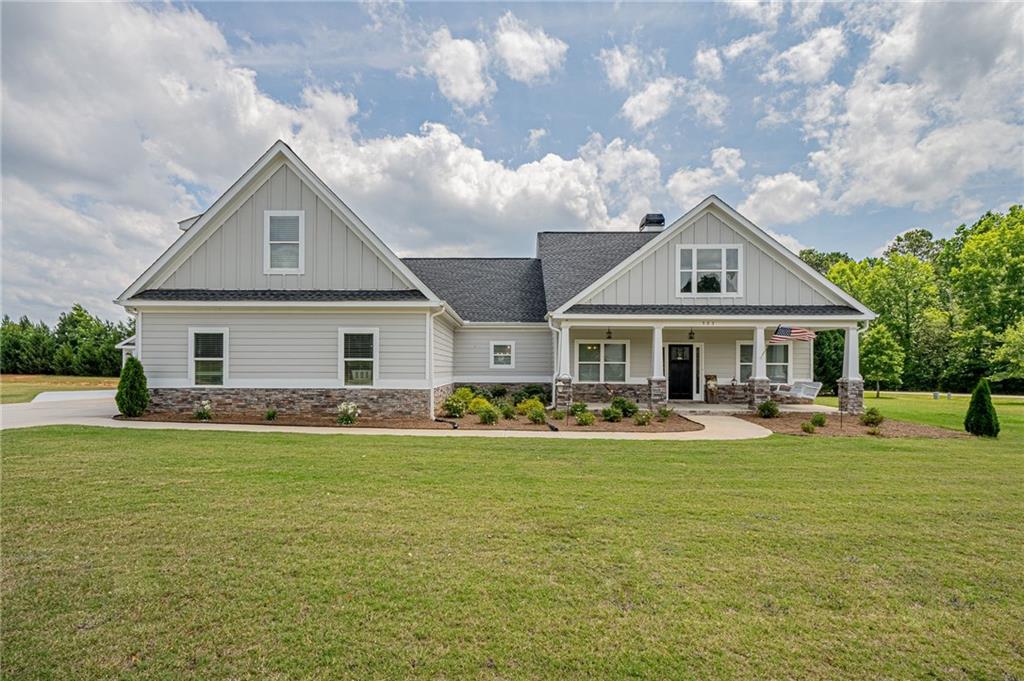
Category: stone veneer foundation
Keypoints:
(657, 392)
(851, 395)
(604, 392)
(373, 402)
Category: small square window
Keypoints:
(284, 242)
(502, 354)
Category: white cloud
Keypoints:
(755, 42)
(782, 199)
(805, 13)
(626, 65)
(527, 55)
(460, 68)
(765, 13)
(534, 137)
(709, 105)
(707, 64)
(787, 240)
(652, 102)
(690, 186)
(809, 61)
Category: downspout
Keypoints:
(430, 355)
(554, 355)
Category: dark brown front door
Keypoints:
(680, 372)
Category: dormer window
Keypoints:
(284, 242)
(709, 271)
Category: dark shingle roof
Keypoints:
(193, 294)
(574, 260)
(485, 289)
(691, 310)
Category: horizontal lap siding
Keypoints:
(533, 356)
(444, 352)
(278, 345)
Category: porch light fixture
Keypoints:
(608, 334)
(691, 334)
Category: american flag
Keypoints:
(783, 334)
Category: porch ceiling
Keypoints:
(717, 310)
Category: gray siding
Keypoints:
(335, 256)
(285, 347)
(767, 280)
(444, 352)
(533, 354)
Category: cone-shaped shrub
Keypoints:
(981, 416)
(132, 394)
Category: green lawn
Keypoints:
(23, 387)
(169, 554)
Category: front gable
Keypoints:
(227, 247)
(768, 274)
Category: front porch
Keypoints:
(720, 365)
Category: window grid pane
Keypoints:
(208, 345)
(209, 372)
(590, 352)
(284, 256)
(590, 373)
(358, 372)
(709, 282)
(746, 354)
(358, 346)
(686, 281)
(709, 258)
(778, 354)
(284, 228)
(746, 370)
(732, 258)
(614, 372)
(778, 373)
(615, 352)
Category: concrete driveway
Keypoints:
(81, 410)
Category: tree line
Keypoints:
(950, 311)
(79, 345)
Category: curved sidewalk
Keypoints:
(100, 412)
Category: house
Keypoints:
(279, 295)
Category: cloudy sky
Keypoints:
(462, 129)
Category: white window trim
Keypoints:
(341, 355)
(512, 345)
(789, 361)
(602, 342)
(192, 331)
(693, 261)
(267, 269)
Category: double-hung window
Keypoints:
(284, 242)
(207, 356)
(602, 361)
(777, 362)
(357, 357)
(709, 270)
(503, 354)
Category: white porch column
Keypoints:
(564, 352)
(657, 359)
(851, 353)
(760, 362)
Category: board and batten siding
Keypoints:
(766, 278)
(285, 348)
(335, 256)
(444, 352)
(533, 357)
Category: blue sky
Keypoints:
(465, 128)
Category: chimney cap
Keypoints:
(652, 222)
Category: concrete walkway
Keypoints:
(100, 412)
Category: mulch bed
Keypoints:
(285, 420)
(673, 424)
(789, 424)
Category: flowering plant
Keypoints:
(204, 410)
(348, 412)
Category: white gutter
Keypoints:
(430, 354)
(554, 375)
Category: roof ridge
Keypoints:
(469, 257)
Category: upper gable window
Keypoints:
(284, 242)
(709, 270)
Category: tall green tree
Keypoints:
(1008, 358)
(881, 358)
(919, 243)
(988, 277)
(821, 260)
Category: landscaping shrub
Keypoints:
(204, 411)
(348, 413)
(807, 427)
(585, 418)
(507, 411)
(465, 394)
(872, 417)
(542, 393)
(818, 420)
(665, 413)
(132, 394)
(529, 403)
(454, 407)
(498, 391)
(626, 406)
(611, 414)
(478, 403)
(981, 416)
(489, 414)
(537, 415)
(557, 415)
(577, 408)
(643, 418)
(768, 409)
(271, 414)
(875, 431)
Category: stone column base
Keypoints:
(657, 394)
(760, 391)
(851, 395)
(563, 392)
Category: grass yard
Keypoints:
(23, 387)
(170, 554)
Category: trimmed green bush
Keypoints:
(526, 405)
(132, 394)
(489, 415)
(557, 415)
(578, 408)
(626, 406)
(271, 414)
(585, 418)
(465, 394)
(818, 420)
(611, 414)
(665, 413)
(454, 407)
(508, 412)
(807, 427)
(643, 418)
(872, 417)
(537, 415)
(769, 409)
(477, 404)
(981, 416)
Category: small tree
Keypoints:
(132, 394)
(981, 416)
(881, 358)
